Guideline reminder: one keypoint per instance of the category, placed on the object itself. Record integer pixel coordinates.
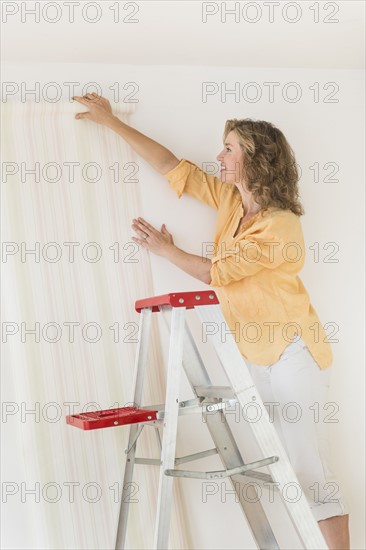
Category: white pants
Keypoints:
(294, 391)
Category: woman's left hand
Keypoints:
(156, 241)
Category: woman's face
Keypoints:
(231, 158)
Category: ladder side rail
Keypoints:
(139, 373)
(225, 444)
(165, 491)
(265, 433)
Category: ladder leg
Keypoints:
(269, 443)
(248, 498)
(225, 444)
(165, 493)
(140, 368)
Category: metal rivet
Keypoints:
(115, 423)
(181, 300)
(211, 296)
(198, 297)
(149, 417)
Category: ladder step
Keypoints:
(110, 418)
(223, 392)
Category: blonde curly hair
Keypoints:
(269, 164)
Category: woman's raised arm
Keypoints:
(100, 111)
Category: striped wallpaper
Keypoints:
(71, 274)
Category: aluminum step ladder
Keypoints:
(210, 402)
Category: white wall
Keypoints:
(170, 110)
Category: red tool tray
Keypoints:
(110, 418)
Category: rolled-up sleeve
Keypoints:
(188, 178)
(246, 259)
(275, 243)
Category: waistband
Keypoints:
(296, 344)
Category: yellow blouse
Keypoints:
(254, 274)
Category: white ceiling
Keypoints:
(173, 33)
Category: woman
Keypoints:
(258, 252)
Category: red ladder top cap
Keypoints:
(188, 300)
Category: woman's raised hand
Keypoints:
(100, 109)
